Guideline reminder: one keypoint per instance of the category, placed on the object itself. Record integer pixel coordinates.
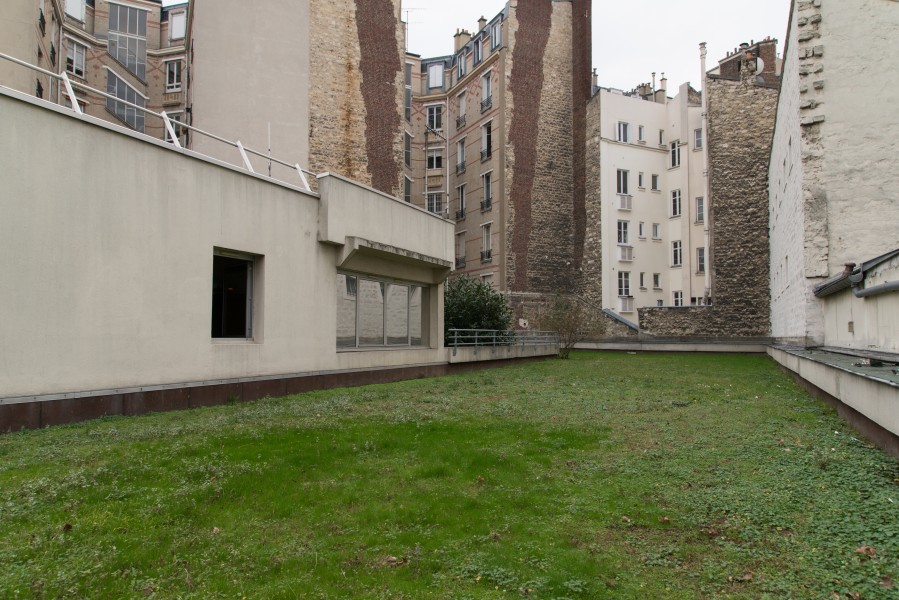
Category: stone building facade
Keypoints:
(506, 158)
(833, 166)
(740, 123)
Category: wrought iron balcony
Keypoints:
(487, 103)
(460, 121)
(486, 204)
(460, 167)
(485, 154)
(486, 255)
(460, 262)
(460, 214)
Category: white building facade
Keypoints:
(653, 189)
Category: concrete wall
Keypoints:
(249, 68)
(870, 323)
(109, 262)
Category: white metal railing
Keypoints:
(627, 202)
(627, 304)
(627, 253)
(491, 338)
(167, 121)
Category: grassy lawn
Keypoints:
(604, 476)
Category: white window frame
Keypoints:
(177, 119)
(435, 156)
(436, 75)
(462, 103)
(624, 284)
(487, 238)
(678, 298)
(621, 182)
(460, 196)
(142, 115)
(641, 181)
(182, 15)
(641, 230)
(461, 65)
(676, 205)
(656, 281)
(73, 46)
(487, 85)
(460, 154)
(252, 314)
(655, 183)
(700, 260)
(656, 231)
(496, 35)
(487, 185)
(487, 140)
(697, 138)
(641, 134)
(169, 87)
(622, 132)
(75, 9)
(674, 154)
(677, 253)
(407, 189)
(642, 280)
(434, 116)
(624, 233)
(477, 51)
(700, 209)
(435, 203)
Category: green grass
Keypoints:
(604, 476)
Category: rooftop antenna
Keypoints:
(406, 23)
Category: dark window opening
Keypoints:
(232, 297)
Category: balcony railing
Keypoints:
(626, 202)
(68, 90)
(626, 303)
(460, 121)
(627, 253)
(486, 103)
(485, 154)
(486, 204)
(486, 255)
(460, 214)
(460, 262)
(460, 167)
(458, 338)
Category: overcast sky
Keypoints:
(631, 38)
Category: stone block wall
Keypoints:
(356, 96)
(590, 284)
(741, 121)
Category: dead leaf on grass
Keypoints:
(216, 531)
(664, 520)
(494, 535)
(868, 551)
(886, 583)
(67, 527)
(626, 519)
(747, 576)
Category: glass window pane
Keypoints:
(113, 16)
(346, 311)
(415, 316)
(397, 314)
(142, 24)
(132, 21)
(371, 313)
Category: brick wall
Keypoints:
(356, 96)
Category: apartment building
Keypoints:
(494, 140)
(133, 50)
(653, 189)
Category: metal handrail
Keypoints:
(491, 338)
(167, 121)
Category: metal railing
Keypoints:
(168, 122)
(492, 338)
(460, 121)
(486, 103)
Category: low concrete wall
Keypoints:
(488, 353)
(875, 400)
(647, 345)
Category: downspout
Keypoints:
(863, 292)
(705, 174)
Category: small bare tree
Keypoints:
(573, 321)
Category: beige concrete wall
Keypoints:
(109, 263)
(250, 68)
(870, 323)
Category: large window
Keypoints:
(655, 183)
(697, 138)
(700, 260)
(177, 25)
(486, 141)
(656, 231)
(496, 35)
(622, 134)
(486, 91)
(173, 76)
(700, 209)
(127, 41)
(677, 256)
(486, 243)
(121, 90)
(675, 203)
(435, 117)
(487, 179)
(462, 65)
(624, 283)
(435, 158)
(674, 151)
(435, 203)
(435, 75)
(75, 9)
(624, 232)
(460, 156)
(377, 313)
(75, 54)
(622, 181)
(232, 295)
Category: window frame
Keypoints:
(656, 180)
(624, 284)
(172, 15)
(72, 45)
(676, 204)
(385, 283)
(251, 313)
(622, 132)
(434, 158)
(674, 154)
(624, 232)
(171, 88)
(622, 182)
(434, 116)
(697, 138)
(436, 75)
(700, 209)
(677, 253)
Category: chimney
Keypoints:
(461, 38)
(662, 92)
(482, 23)
(595, 79)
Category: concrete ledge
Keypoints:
(644, 345)
(869, 403)
(489, 353)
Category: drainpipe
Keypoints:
(883, 288)
(705, 174)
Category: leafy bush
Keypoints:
(472, 304)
